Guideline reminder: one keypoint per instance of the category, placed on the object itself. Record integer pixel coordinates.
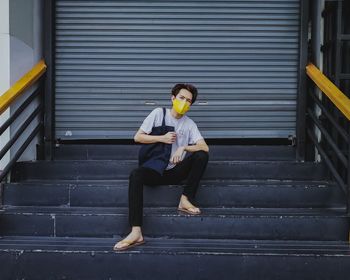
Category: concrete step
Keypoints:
(233, 223)
(120, 169)
(93, 258)
(211, 193)
(130, 152)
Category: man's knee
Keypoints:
(137, 173)
(201, 155)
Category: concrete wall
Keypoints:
(4, 68)
(25, 25)
(21, 24)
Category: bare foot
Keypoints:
(134, 236)
(185, 204)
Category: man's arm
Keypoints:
(144, 138)
(201, 145)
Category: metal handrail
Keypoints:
(21, 85)
(339, 99)
(341, 173)
(35, 75)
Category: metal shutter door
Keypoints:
(115, 57)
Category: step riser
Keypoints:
(109, 265)
(261, 196)
(130, 152)
(102, 170)
(232, 227)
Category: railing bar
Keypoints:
(329, 163)
(338, 65)
(348, 177)
(344, 76)
(328, 138)
(338, 54)
(20, 130)
(20, 109)
(19, 152)
(330, 117)
(345, 37)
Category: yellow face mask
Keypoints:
(181, 106)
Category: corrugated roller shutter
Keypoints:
(117, 60)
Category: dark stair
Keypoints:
(264, 216)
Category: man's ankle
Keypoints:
(184, 197)
(136, 229)
(187, 199)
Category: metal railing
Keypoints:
(34, 76)
(335, 153)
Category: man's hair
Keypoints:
(192, 89)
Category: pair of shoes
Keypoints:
(130, 244)
(188, 211)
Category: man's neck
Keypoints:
(175, 114)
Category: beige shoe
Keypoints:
(129, 244)
(188, 211)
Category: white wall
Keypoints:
(20, 49)
(4, 69)
(25, 51)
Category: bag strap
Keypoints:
(164, 113)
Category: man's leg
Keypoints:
(198, 166)
(192, 169)
(138, 177)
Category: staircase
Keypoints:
(264, 216)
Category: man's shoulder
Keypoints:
(157, 111)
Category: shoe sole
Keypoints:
(129, 246)
(188, 212)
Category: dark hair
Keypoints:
(192, 89)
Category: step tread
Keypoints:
(171, 211)
(177, 246)
(215, 161)
(204, 182)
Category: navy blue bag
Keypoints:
(157, 155)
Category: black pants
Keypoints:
(192, 168)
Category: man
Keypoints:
(179, 167)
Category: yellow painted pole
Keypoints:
(21, 85)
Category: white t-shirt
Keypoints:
(186, 129)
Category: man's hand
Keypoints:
(177, 157)
(169, 138)
(144, 138)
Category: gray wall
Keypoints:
(26, 19)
